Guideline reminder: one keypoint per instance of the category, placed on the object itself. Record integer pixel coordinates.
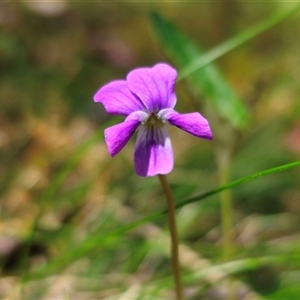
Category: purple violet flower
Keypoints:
(147, 99)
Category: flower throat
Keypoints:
(154, 121)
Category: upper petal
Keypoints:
(117, 98)
(153, 151)
(192, 123)
(117, 136)
(154, 86)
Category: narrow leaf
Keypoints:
(236, 41)
(207, 81)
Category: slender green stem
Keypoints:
(224, 158)
(226, 216)
(174, 236)
(227, 225)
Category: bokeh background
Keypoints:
(64, 201)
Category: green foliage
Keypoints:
(75, 223)
(207, 81)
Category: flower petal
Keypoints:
(153, 151)
(154, 86)
(117, 98)
(192, 123)
(117, 136)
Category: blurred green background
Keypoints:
(64, 202)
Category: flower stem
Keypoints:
(174, 236)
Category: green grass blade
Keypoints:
(86, 247)
(239, 182)
(236, 41)
(217, 272)
(207, 81)
(203, 196)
